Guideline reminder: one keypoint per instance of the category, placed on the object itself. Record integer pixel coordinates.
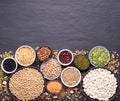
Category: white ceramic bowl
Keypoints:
(8, 71)
(65, 64)
(68, 77)
(98, 47)
(28, 58)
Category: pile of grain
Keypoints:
(26, 84)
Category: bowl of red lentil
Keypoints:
(65, 57)
(54, 86)
(44, 53)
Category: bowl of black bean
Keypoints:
(9, 65)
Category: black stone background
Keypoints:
(72, 24)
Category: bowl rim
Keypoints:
(48, 56)
(76, 70)
(33, 52)
(11, 59)
(52, 81)
(117, 88)
(13, 96)
(54, 77)
(99, 47)
(65, 64)
(80, 67)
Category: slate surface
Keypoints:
(73, 24)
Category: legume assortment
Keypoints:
(70, 76)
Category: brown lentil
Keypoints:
(43, 53)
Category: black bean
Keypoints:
(9, 65)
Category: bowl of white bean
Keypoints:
(100, 84)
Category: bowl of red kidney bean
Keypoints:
(65, 57)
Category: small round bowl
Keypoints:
(80, 68)
(99, 47)
(65, 64)
(54, 92)
(14, 97)
(28, 58)
(48, 56)
(110, 99)
(73, 77)
(9, 72)
(53, 70)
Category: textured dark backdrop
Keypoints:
(73, 24)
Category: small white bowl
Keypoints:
(28, 58)
(68, 77)
(10, 71)
(65, 64)
(98, 47)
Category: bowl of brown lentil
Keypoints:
(44, 53)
